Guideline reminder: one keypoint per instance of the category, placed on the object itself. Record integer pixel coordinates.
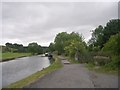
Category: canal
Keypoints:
(21, 68)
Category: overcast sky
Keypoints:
(39, 22)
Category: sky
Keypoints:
(26, 22)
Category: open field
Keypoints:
(9, 55)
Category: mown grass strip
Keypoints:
(22, 83)
(10, 56)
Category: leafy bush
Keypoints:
(114, 64)
(112, 45)
(96, 58)
(101, 60)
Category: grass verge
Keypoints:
(101, 69)
(22, 83)
(9, 55)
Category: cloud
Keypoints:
(27, 22)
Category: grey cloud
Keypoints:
(40, 22)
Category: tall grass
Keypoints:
(106, 61)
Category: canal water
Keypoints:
(21, 68)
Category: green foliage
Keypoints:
(101, 35)
(101, 60)
(60, 42)
(96, 39)
(112, 45)
(69, 43)
(14, 48)
(52, 47)
(111, 28)
(9, 45)
(114, 64)
(109, 56)
(75, 47)
(34, 48)
(45, 49)
(105, 42)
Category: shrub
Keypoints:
(86, 57)
(114, 64)
(112, 45)
(101, 60)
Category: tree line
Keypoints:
(101, 34)
(33, 48)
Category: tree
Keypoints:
(112, 45)
(75, 48)
(45, 49)
(34, 48)
(18, 47)
(14, 47)
(9, 45)
(40, 50)
(96, 39)
(101, 35)
(111, 28)
(52, 47)
(60, 40)
(70, 44)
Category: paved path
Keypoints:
(75, 76)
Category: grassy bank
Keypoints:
(9, 55)
(101, 69)
(20, 84)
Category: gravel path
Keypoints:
(75, 76)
